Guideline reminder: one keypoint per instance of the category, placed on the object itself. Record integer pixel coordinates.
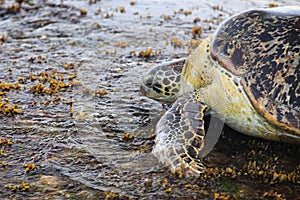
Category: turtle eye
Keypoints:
(157, 88)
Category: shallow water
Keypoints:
(76, 135)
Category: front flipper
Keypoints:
(180, 136)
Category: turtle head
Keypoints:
(163, 81)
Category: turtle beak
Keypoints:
(144, 89)
(146, 85)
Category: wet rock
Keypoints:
(51, 181)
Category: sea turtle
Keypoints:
(246, 73)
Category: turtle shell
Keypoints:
(262, 47)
